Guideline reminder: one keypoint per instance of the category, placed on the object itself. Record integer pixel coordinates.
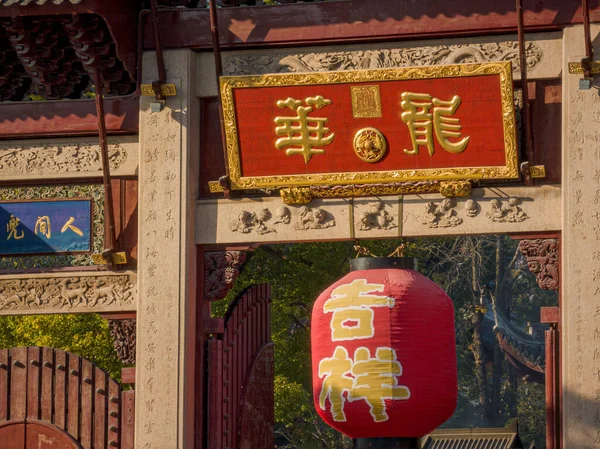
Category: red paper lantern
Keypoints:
(384, 352)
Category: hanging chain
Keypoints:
(362, 251)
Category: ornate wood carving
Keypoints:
(67, 293)
(124, 341)
(542, 260)
(54, 57)
(221, 269)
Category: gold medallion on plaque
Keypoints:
(369, 145)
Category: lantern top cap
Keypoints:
(376, 263)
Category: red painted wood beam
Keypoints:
(359, 20)
(30, 119)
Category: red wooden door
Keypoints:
(12, 435)
(240, 375)
(44, 436)
(51, 399)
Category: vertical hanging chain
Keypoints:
(589, 49)
(528, 141)
(160, 62)
(108, 202)
(214, 29)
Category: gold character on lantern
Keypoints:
(69, 225)
(376, 379)
(422, 123)
(336, 382)
(12, 227)
(351, 305)
(300, 136)
(42, 225)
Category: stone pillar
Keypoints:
(580, 252)
(167, 259)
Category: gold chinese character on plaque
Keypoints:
(69, 226)
(366, 101)
(303, 134)
(369, 145)
(42, 225)
(12, 227)
(422, 122)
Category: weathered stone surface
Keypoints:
(580, 252)
(486, 211)
(167, 271)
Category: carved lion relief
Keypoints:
(247, 222)
(314, 218)
(507, 211)
(374, 216)
(442, 215)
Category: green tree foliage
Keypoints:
(478, 273)
(474, 271)
(85, 335)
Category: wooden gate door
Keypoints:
(52, 399)
(240, 375)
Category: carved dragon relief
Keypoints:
(221, 269)
(123, 333)
(58, 158)
(383, 58)
(542, 260)
(70, 293)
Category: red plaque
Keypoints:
(371, 126)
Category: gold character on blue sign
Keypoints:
(69, 225)
(42, 225)
(12, 228)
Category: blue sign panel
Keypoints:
(43, 227)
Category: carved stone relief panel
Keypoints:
(418, 53)
(507, 211)
(494, 210)
(221, 269)
(269, 220)
(542, 260)
(376, 217)
(442, 214)
(66, 292)
(123, 333)
(66, 158)
(486, 211)
(94, 191)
